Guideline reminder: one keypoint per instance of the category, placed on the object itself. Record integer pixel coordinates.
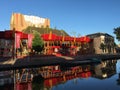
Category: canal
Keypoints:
(104, 75)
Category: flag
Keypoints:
(85, 38)
(12, 21)
(63, 38)
(17, 40)
(74, 39)
(50, 35)
(30, 37)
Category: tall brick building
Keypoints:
(19, 21)
(102, 40)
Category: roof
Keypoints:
(54, 37)
(9, 34)
(99, 34)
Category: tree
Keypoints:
(103, 47)
(47, 28)
(73, 33)
(117, 33)
(37, 44)
(79, 35)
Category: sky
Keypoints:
(80, 16)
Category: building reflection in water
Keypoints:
(44, 78)
(64, 76)
(104, 70)
(118, 71)
(24, 86)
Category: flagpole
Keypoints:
(14, 56)
(15, 47)
(14, 44)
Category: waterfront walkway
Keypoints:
(38, 61)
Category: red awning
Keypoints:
(53, 37)
(24, 36)
(2, 34)
(49, 37)
(85, 39)
(9, 34)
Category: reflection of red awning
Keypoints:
(56, 71)
(55, 80)
(86, 74)
(50, 82)
(23, 86)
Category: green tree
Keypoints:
(37, 44)
(103, 47)
(117, 33)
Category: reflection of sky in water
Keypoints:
(91, 83)
(118, 66)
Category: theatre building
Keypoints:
(16, 43)
(65, 45)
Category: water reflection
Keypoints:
(118, 80)
(118, 71)
(6, 80)
(24, 86)
(104, 70)
(52, 77)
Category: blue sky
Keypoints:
(80, 16)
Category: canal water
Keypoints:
(96, 76)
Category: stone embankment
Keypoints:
(38, 61)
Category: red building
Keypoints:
(64, 45)
(14, 43)
(18, 43)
